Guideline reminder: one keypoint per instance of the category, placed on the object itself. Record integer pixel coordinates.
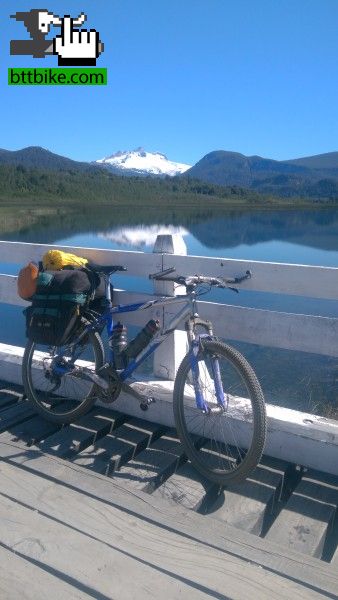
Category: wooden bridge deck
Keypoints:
(110, 508)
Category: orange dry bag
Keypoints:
(27, 280)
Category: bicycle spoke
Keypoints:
(231, 443)
(53, 379)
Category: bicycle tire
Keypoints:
(222, 461)
(39, 397)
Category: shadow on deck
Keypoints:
(110, 508)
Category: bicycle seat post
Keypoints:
(107, 287)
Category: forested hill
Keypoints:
(309, 177)
(219, 177)
(35, 157)
(99, 187)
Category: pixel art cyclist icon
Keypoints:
(74, 47)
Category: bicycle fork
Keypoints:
(196, 344)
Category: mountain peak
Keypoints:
(141, 162)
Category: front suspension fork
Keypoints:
(196, 344)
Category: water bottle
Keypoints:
(142, 339)
(118, 343)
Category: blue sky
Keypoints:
(185, 77)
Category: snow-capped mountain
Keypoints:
(141, 162)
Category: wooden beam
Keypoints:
(68, 496)
(305, 333)
(247, 504)
(136, 263)
(276, 278)
(307, 517)
(170, 354)
(279, 278)
(9, 295)
(22, 577)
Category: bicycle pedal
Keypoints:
(146, 403)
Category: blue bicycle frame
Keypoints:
(195, 342)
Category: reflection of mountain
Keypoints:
(140, 237)
(318, 229)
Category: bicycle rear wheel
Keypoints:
(224, 445)
(61, 398)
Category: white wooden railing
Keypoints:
(296, 436)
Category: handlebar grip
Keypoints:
(247, 275)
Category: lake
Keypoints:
(294, 379)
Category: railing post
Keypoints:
(169, 355)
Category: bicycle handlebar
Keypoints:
(199, 279)
(107, 269)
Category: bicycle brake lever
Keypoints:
(161, 274)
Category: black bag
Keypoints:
(52, 324)
(61, 297)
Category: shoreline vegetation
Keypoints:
(100, 187)
(34, 198)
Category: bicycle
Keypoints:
(218, 403)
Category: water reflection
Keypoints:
(142, 237)
(221, 230)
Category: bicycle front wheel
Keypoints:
(53, 382)
(223, 443)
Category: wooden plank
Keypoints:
(32, 430)
(131, 506)
(334, 560)
(9, 395)
(26, 579)
(277, 278)
(72, 439)
(280, 278)
(305, 333)
(137, 263)
(185, 487)
(103, 567)
(9, 295)
(306, 519)
(15, 414)
(122, 444)
(92, 545)
(152, 466)
(246, 505)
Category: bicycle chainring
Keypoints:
(112, 393)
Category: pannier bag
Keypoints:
(54, 260)
(56, 306)
(27, 281)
